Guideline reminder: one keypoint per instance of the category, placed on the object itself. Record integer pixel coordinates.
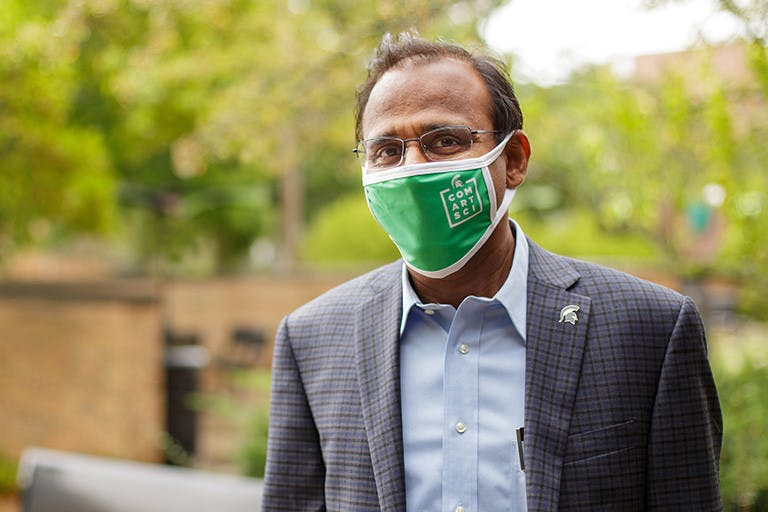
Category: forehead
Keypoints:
(416, 96)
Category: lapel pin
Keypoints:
(568, 314)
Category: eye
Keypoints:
(448, 141)
(382, 153)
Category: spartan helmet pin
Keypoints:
(568, 314)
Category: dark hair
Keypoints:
(408, 47)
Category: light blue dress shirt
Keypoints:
(462, 381)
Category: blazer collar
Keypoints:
(378, 371)
(553, 364)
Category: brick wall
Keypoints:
(82, 365)
(212, 310)
(81, 369)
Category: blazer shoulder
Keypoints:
(635, 307)
(606, 286)
(604, 279)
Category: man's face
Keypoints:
(416, 97)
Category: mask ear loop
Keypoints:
(489, 185)
(509, 193)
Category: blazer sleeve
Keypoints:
(686, 425)
(295, 472)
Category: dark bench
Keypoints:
(54, 481)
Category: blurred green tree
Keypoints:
(216, 122)
(679, 161)
(669, 171)
(56, 176)
(743, 461)
(346, 234)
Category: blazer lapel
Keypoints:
(553, 363)
(378, 373)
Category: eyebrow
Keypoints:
(424, 129)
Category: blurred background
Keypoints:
(177, 175)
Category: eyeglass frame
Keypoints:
(404, 143)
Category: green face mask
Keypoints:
(439, 214)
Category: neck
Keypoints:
(482, 276)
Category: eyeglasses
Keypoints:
(445, 143)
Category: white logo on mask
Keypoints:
(461, 201)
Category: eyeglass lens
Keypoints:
(445, 143)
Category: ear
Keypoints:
(518, 151)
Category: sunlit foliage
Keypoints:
(210, 121)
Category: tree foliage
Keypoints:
(190, 113)
(345, 233)
(670, 171)
(187, 127)
(743, 156)
(744, 458)
(53, 172)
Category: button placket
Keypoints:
(461, 409)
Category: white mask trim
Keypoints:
(501, 213)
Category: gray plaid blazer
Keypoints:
(621, 411)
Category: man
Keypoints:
(481, 373)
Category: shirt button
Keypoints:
(461, 428)
(464, 348)
(429, 312)
(459, 509)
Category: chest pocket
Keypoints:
(604, 469)
(603, 441)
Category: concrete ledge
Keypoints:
(134, 291)
(55, 481)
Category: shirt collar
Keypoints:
(512, 294)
